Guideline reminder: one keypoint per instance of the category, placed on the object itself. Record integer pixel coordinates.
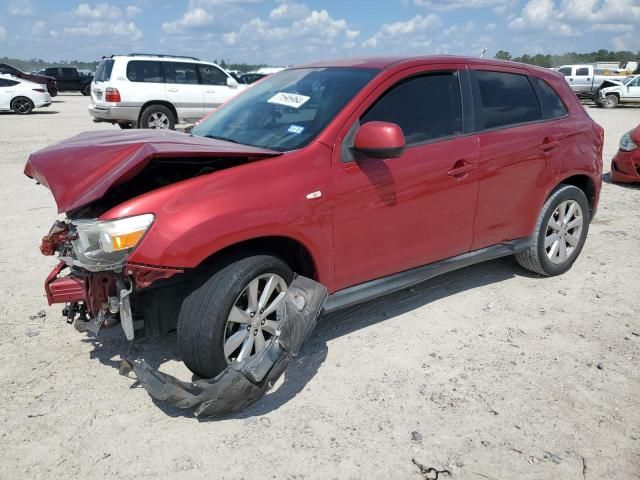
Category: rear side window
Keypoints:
(145, 71)
(426, 108)
(210, 75)
(566, 71)
(506, 99)
(103, 74)
(183, 73)
(582, 72)
(552, 106)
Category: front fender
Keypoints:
(197, 218)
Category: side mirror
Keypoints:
(379, 140)
(231, 83)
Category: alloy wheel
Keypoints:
(253, 317)
(22, 105)
(564, 231)
(158, 120)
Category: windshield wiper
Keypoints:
(224, 139)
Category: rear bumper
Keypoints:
(114, 114)
(625, 167)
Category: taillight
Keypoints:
(112, 95)
(41, 90)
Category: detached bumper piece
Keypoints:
(243, 383)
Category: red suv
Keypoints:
(367, 175)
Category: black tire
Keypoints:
(22, 105)
(86, 90)
(611, 101)
(147, 119)
(203, 316)
(535, 258)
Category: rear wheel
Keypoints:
(611, 101)
(233, 314)
(157, 117)
(560, 232)
(86, 90)
(22, 105)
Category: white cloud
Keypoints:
(3, 34)
(119, 28)
(542, 15)
(38, 27)
(132, 11)
(288, 11)
(197, 17)
(457, 4)
(351, 34)
(22, 8)
(101, 11)
(409, 32)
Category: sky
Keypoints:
(286, 32)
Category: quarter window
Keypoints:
(210, 75)
(506, 99)
(145, 71)
(426, 108)
(552, 106)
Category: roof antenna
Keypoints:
(483, 52)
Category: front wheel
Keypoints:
(560, 232)
(233, 314)
(611, 101)
(86, 90)
(22, 105)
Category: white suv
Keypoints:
(157, 91)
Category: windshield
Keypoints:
(628, 80)
(287, 110)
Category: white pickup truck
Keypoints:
(585, 80)
(627, 92)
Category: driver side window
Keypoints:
(426, 108)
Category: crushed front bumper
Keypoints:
(625, 167)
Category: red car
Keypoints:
(367, 175)
(50, 82)
(625, 166)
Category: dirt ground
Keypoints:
(489, 372)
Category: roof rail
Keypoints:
(161, 55)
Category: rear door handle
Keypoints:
(549, 143)
(461, 168)
(211, 91)
(172, 89)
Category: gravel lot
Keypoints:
(490, 372)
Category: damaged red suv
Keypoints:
(366, 175)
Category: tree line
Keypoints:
(550, 61)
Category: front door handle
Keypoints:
(211, 91)
(461, 168)
(172, 89)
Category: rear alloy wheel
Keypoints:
(233, 314)
(560, 233)
(22, 105)
(157, 117)
(611, 101)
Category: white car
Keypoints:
(627, 92)
(22, 96)
(157, 91)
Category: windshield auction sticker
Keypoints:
(292, 100)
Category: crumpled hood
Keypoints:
(83, 168)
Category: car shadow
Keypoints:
(111, 344)
(35, 112)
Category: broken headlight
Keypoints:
(105, 245)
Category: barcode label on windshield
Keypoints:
(292, 100)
